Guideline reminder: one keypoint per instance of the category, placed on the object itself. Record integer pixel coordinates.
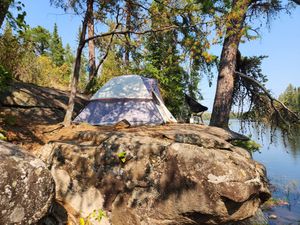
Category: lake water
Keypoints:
(282, 160)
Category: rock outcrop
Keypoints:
(43, 105)
(176, 174)
(27, 188)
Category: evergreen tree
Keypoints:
(163, 62)
(291, 97)
(56, 48)
(40, 38)
(10, 50)
(69, 56)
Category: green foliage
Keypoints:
(243, 89)
(250, 145)
(40, 39)
(10, 120)
(112, 67)
(96, 215)
(48, 74)
(27, 57)
(3, 135)
(11, 53)
(122, 156)
(17, 22)
(291, 98)
(163, 62)
(56, 48)
(69, 56)
(272, 202)
(5, 78)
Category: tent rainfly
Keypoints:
(134, 98)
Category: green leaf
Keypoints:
(81, 221)
(122, 156)
(2, 137)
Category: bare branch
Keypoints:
(171, 27)
(106, 52)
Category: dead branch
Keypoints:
(123, 32)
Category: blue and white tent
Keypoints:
(134, 98)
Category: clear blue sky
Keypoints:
(281, 43)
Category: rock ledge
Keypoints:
(176, 174)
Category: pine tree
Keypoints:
(69, 56)
(291, 97)
(237, 21)
(40, 38)
(56, 48)
(163, 62)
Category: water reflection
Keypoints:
(280, 153)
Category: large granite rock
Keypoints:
(39, 104)
(26, 186)
(181, 174)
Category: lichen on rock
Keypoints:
(26, 186)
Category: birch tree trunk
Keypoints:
(76, 73)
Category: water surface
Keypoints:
(281, 157)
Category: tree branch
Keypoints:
(296, 1)
(132, 32)
(272, 99)
(105, 55)
(92, 81)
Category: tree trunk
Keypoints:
(225, 83)
(91, 44)
(128, 27)
(4, 9)
(76, 73)
(296, 1)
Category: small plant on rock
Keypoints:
(250, 145)
(5, 78)
(3, 135)
(122, 156)
(96, 215)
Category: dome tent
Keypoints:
(132, 97)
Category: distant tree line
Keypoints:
(291, 98)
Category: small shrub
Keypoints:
(250, 145)
(2, 136)
(96, 215)
(122, 157)
(10, 120)
(5, 78)
(272, 202)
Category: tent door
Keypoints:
(166, 115)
